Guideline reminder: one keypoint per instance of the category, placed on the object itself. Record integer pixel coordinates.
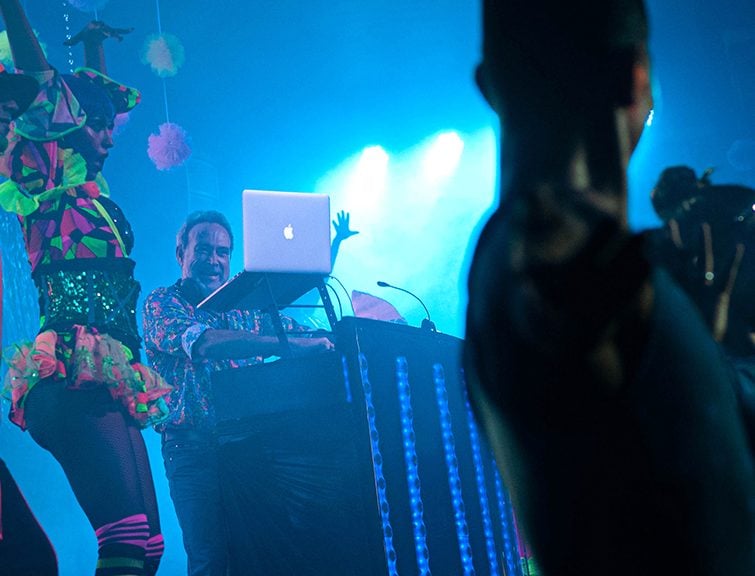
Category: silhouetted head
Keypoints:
(677, 190)
(544, 53)
(680, 195)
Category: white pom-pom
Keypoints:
(169, 148)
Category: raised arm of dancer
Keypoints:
(343, 231)
(27, 53)
(92, 36)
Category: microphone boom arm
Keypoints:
(426, 323)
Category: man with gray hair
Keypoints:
(186, 345)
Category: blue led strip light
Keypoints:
(509, 539)
(346, 382)
(487, 521)
(377, 467)
(412, 471)
(452, 465)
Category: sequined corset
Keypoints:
(100, 293)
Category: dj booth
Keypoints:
(363, 461)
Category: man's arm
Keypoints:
(343, 231)
(170, 327)
(229, 344)
(226, 344)
(166, 319)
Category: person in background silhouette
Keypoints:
(707, 243)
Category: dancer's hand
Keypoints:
(341, 225)
(96, 32)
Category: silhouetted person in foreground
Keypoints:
(608, 403)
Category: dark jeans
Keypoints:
(191, 465)
(612, 456)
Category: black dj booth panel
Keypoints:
(366, 461)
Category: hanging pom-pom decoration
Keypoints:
(88, 5)
(169, 148)
(164, 53)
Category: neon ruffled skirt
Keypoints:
(85, 359)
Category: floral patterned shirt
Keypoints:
(172, 325)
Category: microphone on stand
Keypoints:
(426, 324)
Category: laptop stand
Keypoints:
(270, 292)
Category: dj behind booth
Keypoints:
(352, 451)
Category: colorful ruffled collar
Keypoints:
(15, 199)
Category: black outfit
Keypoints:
(709, 250)
(645, 473)
(25, 549)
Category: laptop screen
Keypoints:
(286, 232)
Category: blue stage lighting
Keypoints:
(373, 164)
(443, 156)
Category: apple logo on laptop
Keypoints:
(288, 232)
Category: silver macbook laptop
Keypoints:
(286, 232)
